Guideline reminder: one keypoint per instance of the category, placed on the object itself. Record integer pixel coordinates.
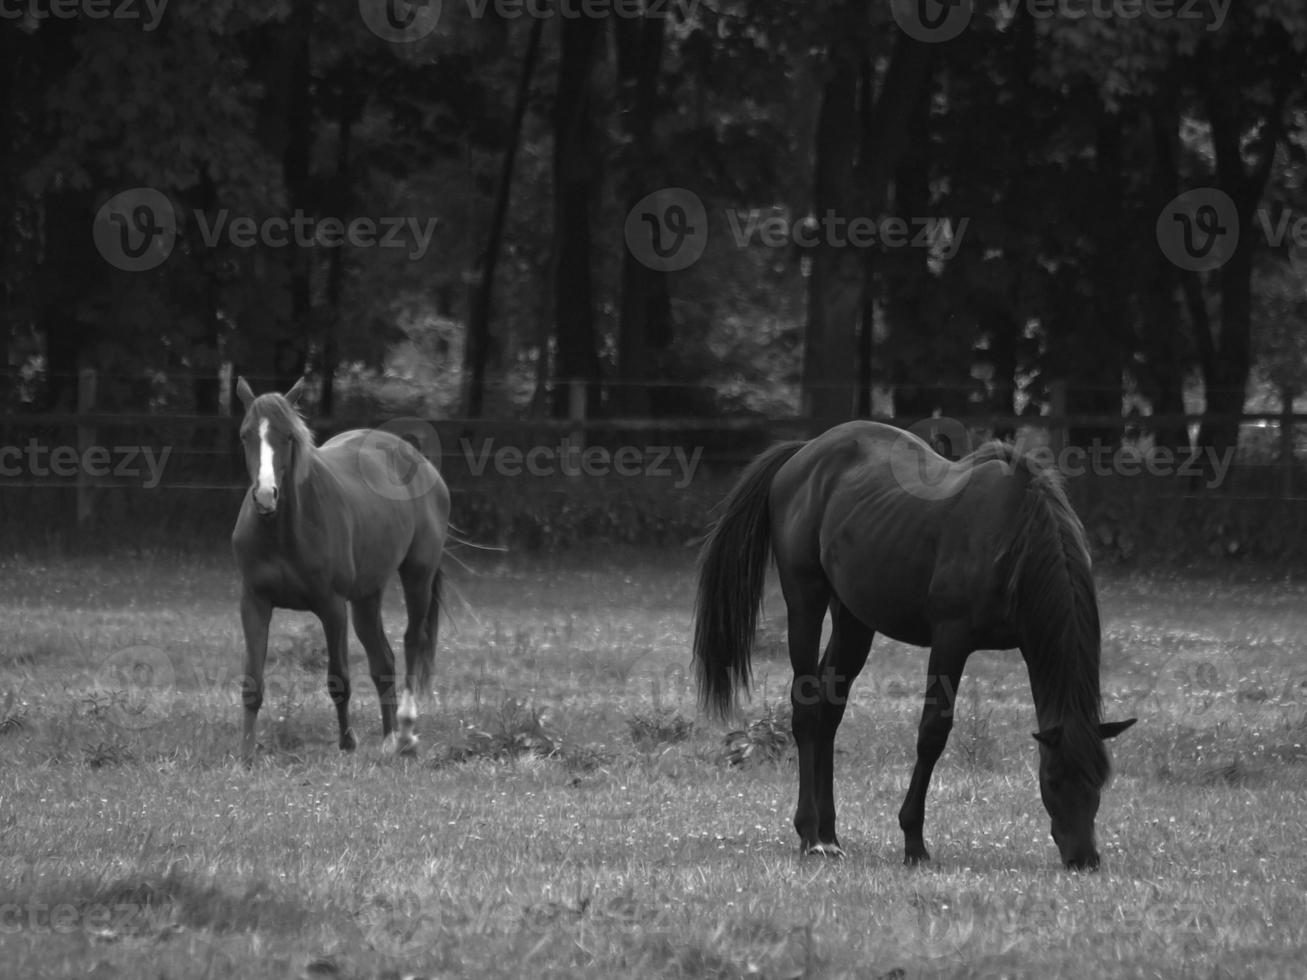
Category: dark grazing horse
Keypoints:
(324, 527)
(866, 520)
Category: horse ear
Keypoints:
(296, 390)
(243, 392)
(1111, 729)
(1051, 737)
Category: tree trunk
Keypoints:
(1161, 298)
(70, 270)
(292, 347)
(645, 330)
(925, 363)
(836, 282)
(1096, 349)
(842, 191)
(476, 350)
(348, 115)
(8, 203)
(1232, 113)
(575, 181)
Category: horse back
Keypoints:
(904, 537)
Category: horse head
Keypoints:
(272, 433)
(1072, 772)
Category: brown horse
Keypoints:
(868, 522)
(324, 527)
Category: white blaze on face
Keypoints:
(265, 487)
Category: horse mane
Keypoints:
(281, 413)
(1052, 599)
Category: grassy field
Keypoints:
(570, 814)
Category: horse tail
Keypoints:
(732, 572)
(424, 675)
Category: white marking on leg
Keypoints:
(265, 488)
(407, 716)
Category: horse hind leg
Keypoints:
(846, 654)
(421, 600)
(806, 610)
(381, 665)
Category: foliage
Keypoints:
(764, 739)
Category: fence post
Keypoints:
(576, 412)
(1057, 408)
(85, 440)
(1286, 442)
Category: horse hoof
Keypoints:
(348, 743)
(916, 860)
(401, 745)
(821, 849)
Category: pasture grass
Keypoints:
(571, 814)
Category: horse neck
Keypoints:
(297, 499)
(1054, 595)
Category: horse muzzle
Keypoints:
(1086, 860)
(265, 502)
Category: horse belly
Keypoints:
(280, 586)
(889, 614)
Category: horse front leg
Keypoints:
(948, 655)
(256, 614)
(335, 627)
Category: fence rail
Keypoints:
(200, 453)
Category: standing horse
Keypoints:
(869, 522)
(323, 527)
